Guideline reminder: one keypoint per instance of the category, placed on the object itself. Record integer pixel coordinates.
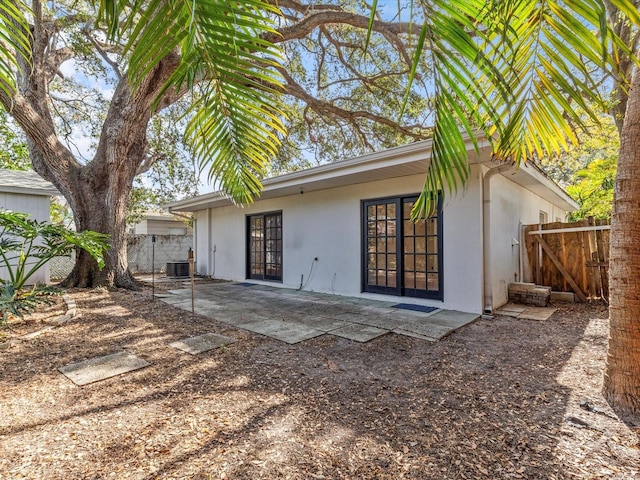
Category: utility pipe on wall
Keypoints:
(487, 308)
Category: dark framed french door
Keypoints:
(401, 257)
(264, 246)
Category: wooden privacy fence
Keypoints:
(568, 257)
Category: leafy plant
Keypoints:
(26, 245)
(24, 301)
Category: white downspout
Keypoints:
(487, 308)
(209, 245)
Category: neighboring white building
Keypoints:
(27, 192)
(343, 228)
(156, 223)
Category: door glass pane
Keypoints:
(421, 245)
(391, 278)
(432, 266)
(432, 226)
(408, 245)
(409, 280)
(391, 210)
(408, 227)
(391, 262)
(406, 209)
(421, 281)
(391, 228)
(391, 244)
(408, 262)
(432, 244)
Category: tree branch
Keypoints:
(328, 108)
(104, 54)
(309, 23)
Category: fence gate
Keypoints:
(568, 257)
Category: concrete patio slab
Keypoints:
(293, 316)
(511, 310)
(380, 319)
(202, 343)
(185, 292)
(525, 311)
(287, 332)
(359, 333)
(537, 313)
(101, 368)
(425, 328)
(453, 318)
(173, 299)
(407, 333)
(325, 324)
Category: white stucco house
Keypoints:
(344, 228)
(158, 223)
(27, 192)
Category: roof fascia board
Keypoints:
(372, 161)
(41, 192)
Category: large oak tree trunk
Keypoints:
(100, 205)
(622, 376)
(98, 191)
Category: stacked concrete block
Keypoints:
(529, 294)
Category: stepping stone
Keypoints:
(511, 310)
(359, 333)
(202, 343)
(101, 368)
(537, 313)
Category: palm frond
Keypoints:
(520, 70)
(234, 126)
(14, 42)
(457, 49)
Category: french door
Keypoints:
(401, 257)
(264, 246)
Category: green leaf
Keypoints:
(15, 42)
(234, 128)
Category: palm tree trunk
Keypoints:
(622, 376)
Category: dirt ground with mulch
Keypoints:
(501, 398)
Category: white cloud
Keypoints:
(68, 68)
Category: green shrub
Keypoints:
(26, 245)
